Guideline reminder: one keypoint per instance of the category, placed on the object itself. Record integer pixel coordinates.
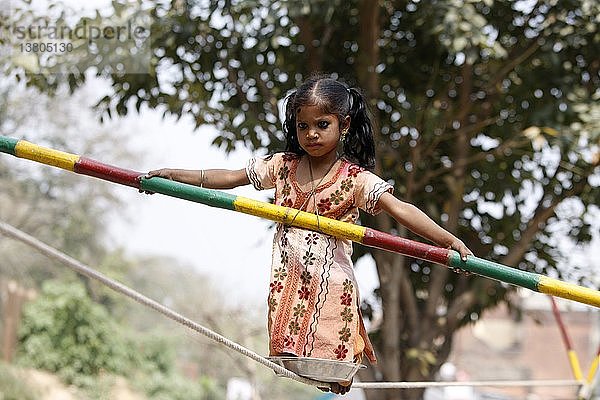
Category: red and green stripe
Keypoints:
(367, 236)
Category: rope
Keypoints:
(420, 385)
(83, 269)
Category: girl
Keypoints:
(313, 304)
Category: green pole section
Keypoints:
(196, 194)
(7, 145)
(494, 270)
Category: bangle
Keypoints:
(202, 178)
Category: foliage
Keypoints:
(64, 332)
(157, 355)
(61, 209)
(160, 386)
(12, 387)
(71, 213)
(487, 115)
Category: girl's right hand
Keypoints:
(459, 246)
(161, 173)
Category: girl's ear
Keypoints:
(345, 125)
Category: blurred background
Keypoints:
(487, 119)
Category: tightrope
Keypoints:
(493, 383)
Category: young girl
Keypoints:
(313, 304)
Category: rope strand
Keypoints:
(425, 384)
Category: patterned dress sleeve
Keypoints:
(261, 171)
(369, 189)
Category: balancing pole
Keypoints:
(285, 215)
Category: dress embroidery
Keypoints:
(347, 317)
(313, 302)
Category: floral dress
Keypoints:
(313, 302)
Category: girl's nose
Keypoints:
(312, 133)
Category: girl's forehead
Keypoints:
(313, 112)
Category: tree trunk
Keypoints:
(388, 270)
(13, 298)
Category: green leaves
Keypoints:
(63, 331)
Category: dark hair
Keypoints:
(333, 97)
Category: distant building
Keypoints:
(525, 344)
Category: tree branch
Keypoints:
(540, 217)
(515, 60)
(307, 38)
(439, 276)
(512, 143)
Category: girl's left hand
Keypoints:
(459, 246)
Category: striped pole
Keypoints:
(573, 359)
(285, 215)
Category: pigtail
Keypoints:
(359, 145)
(289, 125)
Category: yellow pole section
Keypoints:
(302, 219)
(570, 291)
(56, 158)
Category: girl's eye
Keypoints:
(323, 124)
(301, 125)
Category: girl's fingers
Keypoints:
(161, 173)
(464, 252)
(462, 249)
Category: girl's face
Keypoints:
(319, 133)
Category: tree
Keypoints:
(485, 122)
(64, 210)
(63, 331)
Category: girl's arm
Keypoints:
(208, 178)
(418, 222)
